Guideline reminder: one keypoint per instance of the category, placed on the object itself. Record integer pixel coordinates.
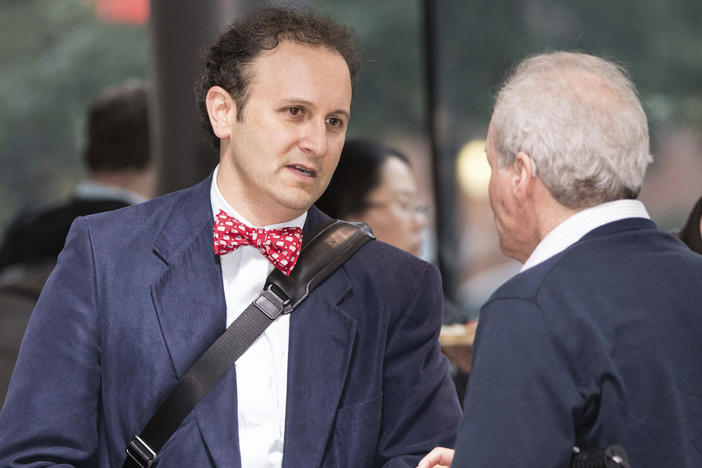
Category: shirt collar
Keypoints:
(91, 190)
(575, 227)
(219, 203)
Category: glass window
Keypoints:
(55, 57)
(658, 42)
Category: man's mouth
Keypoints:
(303, 170)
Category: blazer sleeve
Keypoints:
(50, 414)
(420, 406)
(521, 395)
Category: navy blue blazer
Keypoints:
(599, 345)
(137, 296)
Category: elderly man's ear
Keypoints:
(524, 174)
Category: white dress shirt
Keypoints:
(574, 228)
(262, 371)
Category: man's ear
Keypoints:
(524, 174)
(221, 109)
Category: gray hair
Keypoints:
(578, 117)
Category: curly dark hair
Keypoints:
(228, 59)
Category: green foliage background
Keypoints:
(55, 56)
(660, 43)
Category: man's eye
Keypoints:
(294, 111)
(334, 122)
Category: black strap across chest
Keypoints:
(322, 253)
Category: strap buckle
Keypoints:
(272, 301)
(140, 452)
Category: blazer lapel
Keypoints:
(189, 301)
(189, 296)
(321, 343)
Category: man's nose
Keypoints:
(314, 138)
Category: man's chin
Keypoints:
(296, 206)
(299, 199)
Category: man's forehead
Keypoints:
(290, 54)
(302, 73)
(293, 49)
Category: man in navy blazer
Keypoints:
(598, 340)
(354, 377)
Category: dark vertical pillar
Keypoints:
(179, 32)
(443, 164)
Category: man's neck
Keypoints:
(251, 209)
(541, 214)
(552, 217)
(579, 223)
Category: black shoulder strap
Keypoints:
(322, 253)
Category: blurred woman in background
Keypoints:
(374, 183)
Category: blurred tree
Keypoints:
(56, 56)
(658, 42)
(389, 96)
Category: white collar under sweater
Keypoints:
(574, 228)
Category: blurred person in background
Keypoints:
(691, 232)
(118, 159)
(598, 340)
(374, 183)
(121, 172)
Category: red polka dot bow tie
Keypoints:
(280, 246)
